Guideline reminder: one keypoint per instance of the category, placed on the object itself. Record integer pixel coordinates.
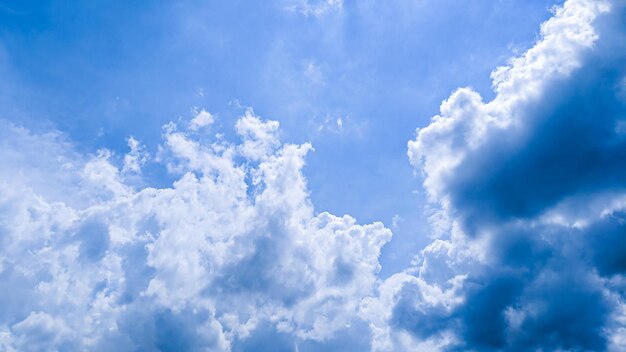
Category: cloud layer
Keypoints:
(528, 249)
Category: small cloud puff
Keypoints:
(201, 119)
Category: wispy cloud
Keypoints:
(314, 8)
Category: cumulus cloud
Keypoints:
(531, 185)
(528, 250)
(231, 254)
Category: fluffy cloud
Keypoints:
(531, 185)
(201, 119)
(529, 255)
(233, 253)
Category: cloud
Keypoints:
(233, 252)
(528, 249)
(201, 119)
(531, 184)
(135, 158)
(259, 138)
(315, 8)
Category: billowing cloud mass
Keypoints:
(531, 189)
(232, 254)
(528, 250)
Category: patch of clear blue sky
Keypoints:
(102, 71)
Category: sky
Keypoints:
(297, 175)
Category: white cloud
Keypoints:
(260, 138)
(204, 262)
(234, 248)
(135, 158)
(39, 331)
(466, 122)
(201, 119)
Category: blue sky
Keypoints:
(101, 72)
(144, 172)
